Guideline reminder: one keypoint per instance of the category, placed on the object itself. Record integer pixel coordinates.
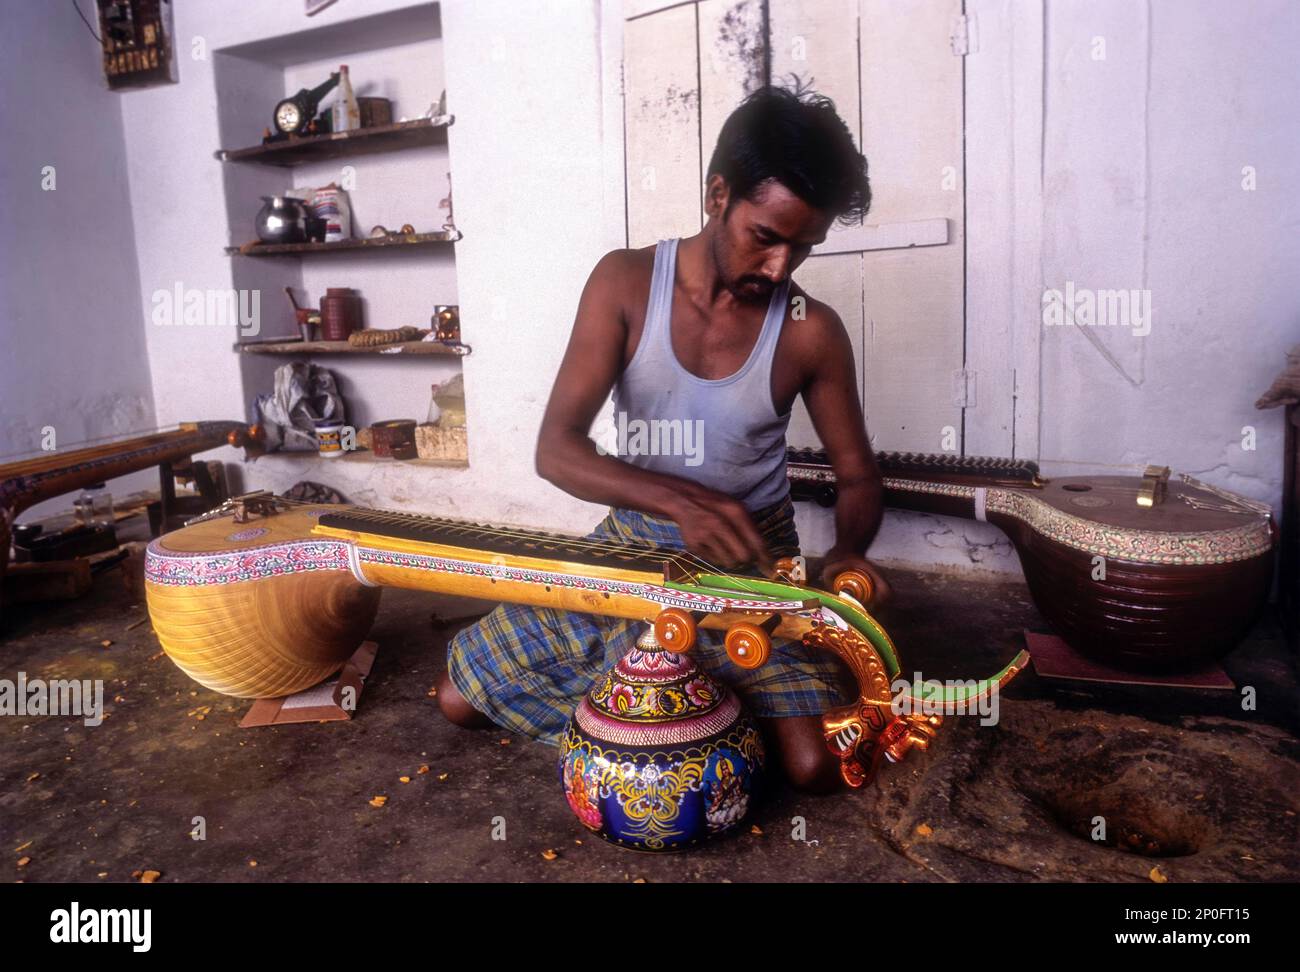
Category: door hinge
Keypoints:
(964, 37)
(963, 388)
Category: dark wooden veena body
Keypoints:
(1182, 583)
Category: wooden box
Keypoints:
(436, 442)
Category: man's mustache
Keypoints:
(760, 284)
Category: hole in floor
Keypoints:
(1115, 816)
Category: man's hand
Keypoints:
(718, 528)
(839, 561)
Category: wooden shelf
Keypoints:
(440, 238)
(366, 456)
(335, 145)
(342, 347)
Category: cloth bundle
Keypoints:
(303, 393)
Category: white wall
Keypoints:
(1141, 188)
(526, 85)
(396, 288)
(182, 193)
(74, 355)
(535, 196)
(532, 188)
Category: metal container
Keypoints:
(340, 313)
(283, 219)
(394, 439)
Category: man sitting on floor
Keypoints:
(709, 333)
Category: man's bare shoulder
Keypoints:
(624, 266)
(806, 309)
(620, 282)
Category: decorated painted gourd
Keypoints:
(659, 756)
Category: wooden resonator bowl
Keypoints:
(240, 616)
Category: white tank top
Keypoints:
(723, 433)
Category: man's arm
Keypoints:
(831, 396)
(713, 525)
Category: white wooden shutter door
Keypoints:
(897, 282)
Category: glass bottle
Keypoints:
(435, 411)
(94, 506)
(347, 113)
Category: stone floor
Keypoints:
(1214, 789)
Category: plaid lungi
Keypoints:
(527, 667)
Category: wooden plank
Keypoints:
(662, 105)
(733, 59)
(913, 308)
(364, 456)
(438, 238)
(912, 112)
(1004, 121)
(816, 45)
(642, 8)
(1027, 248)
(912, 125)
(334, 145)
(885, 236)
(343, 347)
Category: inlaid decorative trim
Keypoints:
(1137, 546)
(691, 600)
(1115, 542)
(934, 489)
(252, 533)
(811, 474)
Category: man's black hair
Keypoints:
(798, 140)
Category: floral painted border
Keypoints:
(689, 728)
(176, 569)
(744, 737)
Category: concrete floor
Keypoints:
(1216, 787)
